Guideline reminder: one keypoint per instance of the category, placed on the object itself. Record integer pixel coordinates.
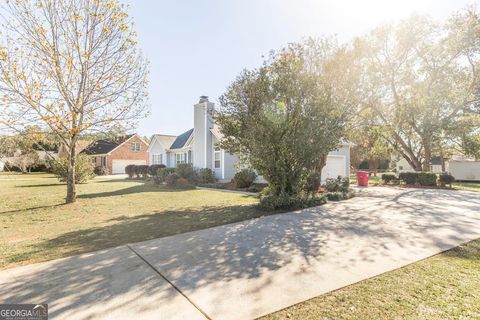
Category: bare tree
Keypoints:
(71, 66)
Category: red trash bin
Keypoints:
(362, 178)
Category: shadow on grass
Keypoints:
(143, 188)
(32, 208)
(42, 185)
(468, 251)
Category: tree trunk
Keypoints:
(321, 163)
(72, 159)
(428, 157)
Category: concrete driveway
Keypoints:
(248, 269)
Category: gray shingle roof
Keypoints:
(105, 145)
(181, 140)
(436, 160)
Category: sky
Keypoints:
(198, 47)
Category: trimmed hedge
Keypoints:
(427, 179)
(100, 170)
(141, 171)
(130, 170)
(289, 202)
(408, 177)
(446, 179)
(388, 177)
(420, 178)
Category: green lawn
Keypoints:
(445, 286)
(37, 226)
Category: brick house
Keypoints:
(115, 154)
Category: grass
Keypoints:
(467, 186)
(36, 226)
(445, 286)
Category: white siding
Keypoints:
(156, 148)
(345, 152)
(202, 141)
(465, 170)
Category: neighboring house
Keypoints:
(436, 165)
(465, 169)
(402, 165)
(2, 165)
(115, 154)
(461, 168)
(46, 156)
(81, 145)
(199, 147)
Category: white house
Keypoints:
(199, 146)
(402, 165)
(464, 168)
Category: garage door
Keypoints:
(118, 166)
(334, 167)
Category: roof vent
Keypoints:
(203, 99)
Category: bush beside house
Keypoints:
(338, 189)
(205, 176)
(130, 170)
(446, 179)
(162, 174)
(153, 169)
(100, 171)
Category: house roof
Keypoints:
(104, 146)
(181, 140)
(165, 139)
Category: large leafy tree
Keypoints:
(369, 142)
(72, 67)
(19, 151)
(282, 118)
(419, 80)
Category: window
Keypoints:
(181, 158)
(94, 160)
(400, 167)
(135, 146)
(216, 154)
(104, 161)
(157, 158)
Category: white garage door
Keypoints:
(334, 167)
(118, 166)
